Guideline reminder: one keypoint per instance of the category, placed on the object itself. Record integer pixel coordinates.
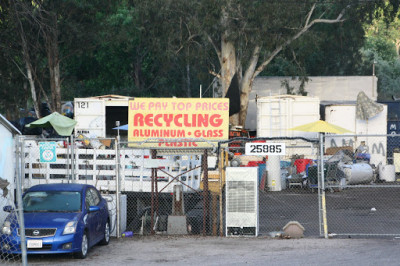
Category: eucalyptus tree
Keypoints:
(14, 89)
(381, 49)
(248, 35)
(48, 32)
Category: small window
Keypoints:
(92, 197)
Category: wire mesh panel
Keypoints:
(9, 220)
(287, 181)
(12, 240)
(362, 178)
(45, 160)
(165, 188)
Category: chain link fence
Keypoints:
(177, 188)
(12, 251)
(8, 220)
(287, 183)
(363, 184)
(164, 186)
(45, 160)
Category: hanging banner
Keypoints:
(178, 118)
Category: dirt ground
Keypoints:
(170, 250)
(363, 237)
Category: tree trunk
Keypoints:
(54, 70)
(33, 90)
(229, 63)
(188, 90)
(247, 85)
(28, 64)
(228, 69)
(54, 65)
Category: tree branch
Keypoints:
(218, 51)
(306, 27)
(215, 74)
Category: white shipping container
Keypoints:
(345, 116)
(277, 114)
(96, 116)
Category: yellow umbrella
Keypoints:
(322, 127)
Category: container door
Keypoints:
(90, 115)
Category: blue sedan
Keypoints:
(59, 218)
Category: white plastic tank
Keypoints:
(274, 173)
(387, 173)
(358, 173)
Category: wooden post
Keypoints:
(153, 177)
(214, 214)
(205, 192)
(222, 164)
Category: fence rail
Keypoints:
(289, 188)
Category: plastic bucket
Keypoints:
(387, 173)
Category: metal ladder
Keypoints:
(276, 118)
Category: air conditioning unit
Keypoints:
(241, 194)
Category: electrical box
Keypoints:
(242, 208)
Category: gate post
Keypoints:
(154, 192)
(323, 201)
(117, 185)
(20, 210)
(222, 164)
(205, 191)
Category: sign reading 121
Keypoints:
(265, 149)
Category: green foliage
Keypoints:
(388, 79)
(161, 48)
(380, 49)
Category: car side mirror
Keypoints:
(8, 208)
(94, 208)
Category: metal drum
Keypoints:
(358, 173)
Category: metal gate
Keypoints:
(289, 187)
(166, 184)
(363, 189)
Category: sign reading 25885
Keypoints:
(265, 149)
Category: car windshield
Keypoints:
(52, 201)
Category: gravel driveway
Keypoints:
(170, 250)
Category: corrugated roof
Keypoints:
(283, 96)
(8, 125)
(112, 96)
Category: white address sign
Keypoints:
(265, 149)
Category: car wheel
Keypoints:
(84, 247)
(106, 238)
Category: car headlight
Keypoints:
(70, 228)
(6, 229)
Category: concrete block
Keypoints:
(177, 225)
(293, 229)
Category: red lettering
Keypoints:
(176, 120)
(186, 122)
(148, 120)
(138, 120)
(215, 120)
(157, 120)
(168, 119)
(202, 120)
